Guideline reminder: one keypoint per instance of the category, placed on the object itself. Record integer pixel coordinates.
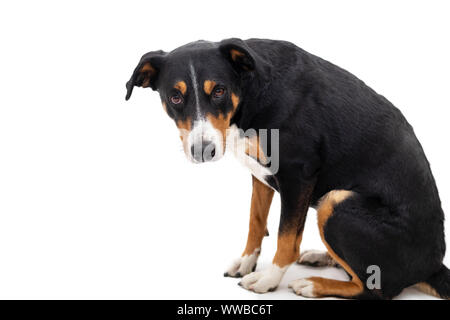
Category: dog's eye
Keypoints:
(176, 99)
(218, 92)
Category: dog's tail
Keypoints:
(437, 285)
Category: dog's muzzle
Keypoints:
(203, 151)
(205, 143)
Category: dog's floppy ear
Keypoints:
(241, 56)
(146, 72)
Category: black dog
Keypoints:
(343, 149)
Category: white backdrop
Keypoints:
(97, 199)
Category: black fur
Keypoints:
(335, 133)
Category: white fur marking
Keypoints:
(263, 281)
(238, 145)
(303, 287)
(244, 264)
(195, 85)
(316, 257)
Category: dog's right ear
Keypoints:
(238, 53)
(146, 72)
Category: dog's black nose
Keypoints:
(203, 152)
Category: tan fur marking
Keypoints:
(235, 53)
(329, 287)
(288, 249)
(208, 86)
(327, 204)
(253, 149)
(261, 199)
(185, 128)
(234, 100)
(426, 288)
(164, 106)
(288, 245)
(149, 70)
(221, 123)
(181, 86)
(185, 125)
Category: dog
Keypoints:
(343, 149)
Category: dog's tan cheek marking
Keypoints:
(185, 128)
(261, 199)
(185, 125)
(220, 123)
(324, 287)
(234, 100)
(181, 86)
(164, 106)
(208, 86)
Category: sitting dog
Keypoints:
(343, 149)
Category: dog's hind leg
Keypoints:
(361, 235)
(317, 258)
(319, 287)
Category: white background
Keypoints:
(97, 199)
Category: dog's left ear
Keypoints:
(147, 71)
(239, 54)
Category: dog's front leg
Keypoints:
(261, 199)
(294, 206)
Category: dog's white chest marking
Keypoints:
(240, 145)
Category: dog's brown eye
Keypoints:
(218, 92)
(176, 99)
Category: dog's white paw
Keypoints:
(263, 281)
(243, 265)
(316, 258)
(303, 287)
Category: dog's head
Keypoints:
(200, 89)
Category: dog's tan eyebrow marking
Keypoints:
(181, 85)
(208, 86)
